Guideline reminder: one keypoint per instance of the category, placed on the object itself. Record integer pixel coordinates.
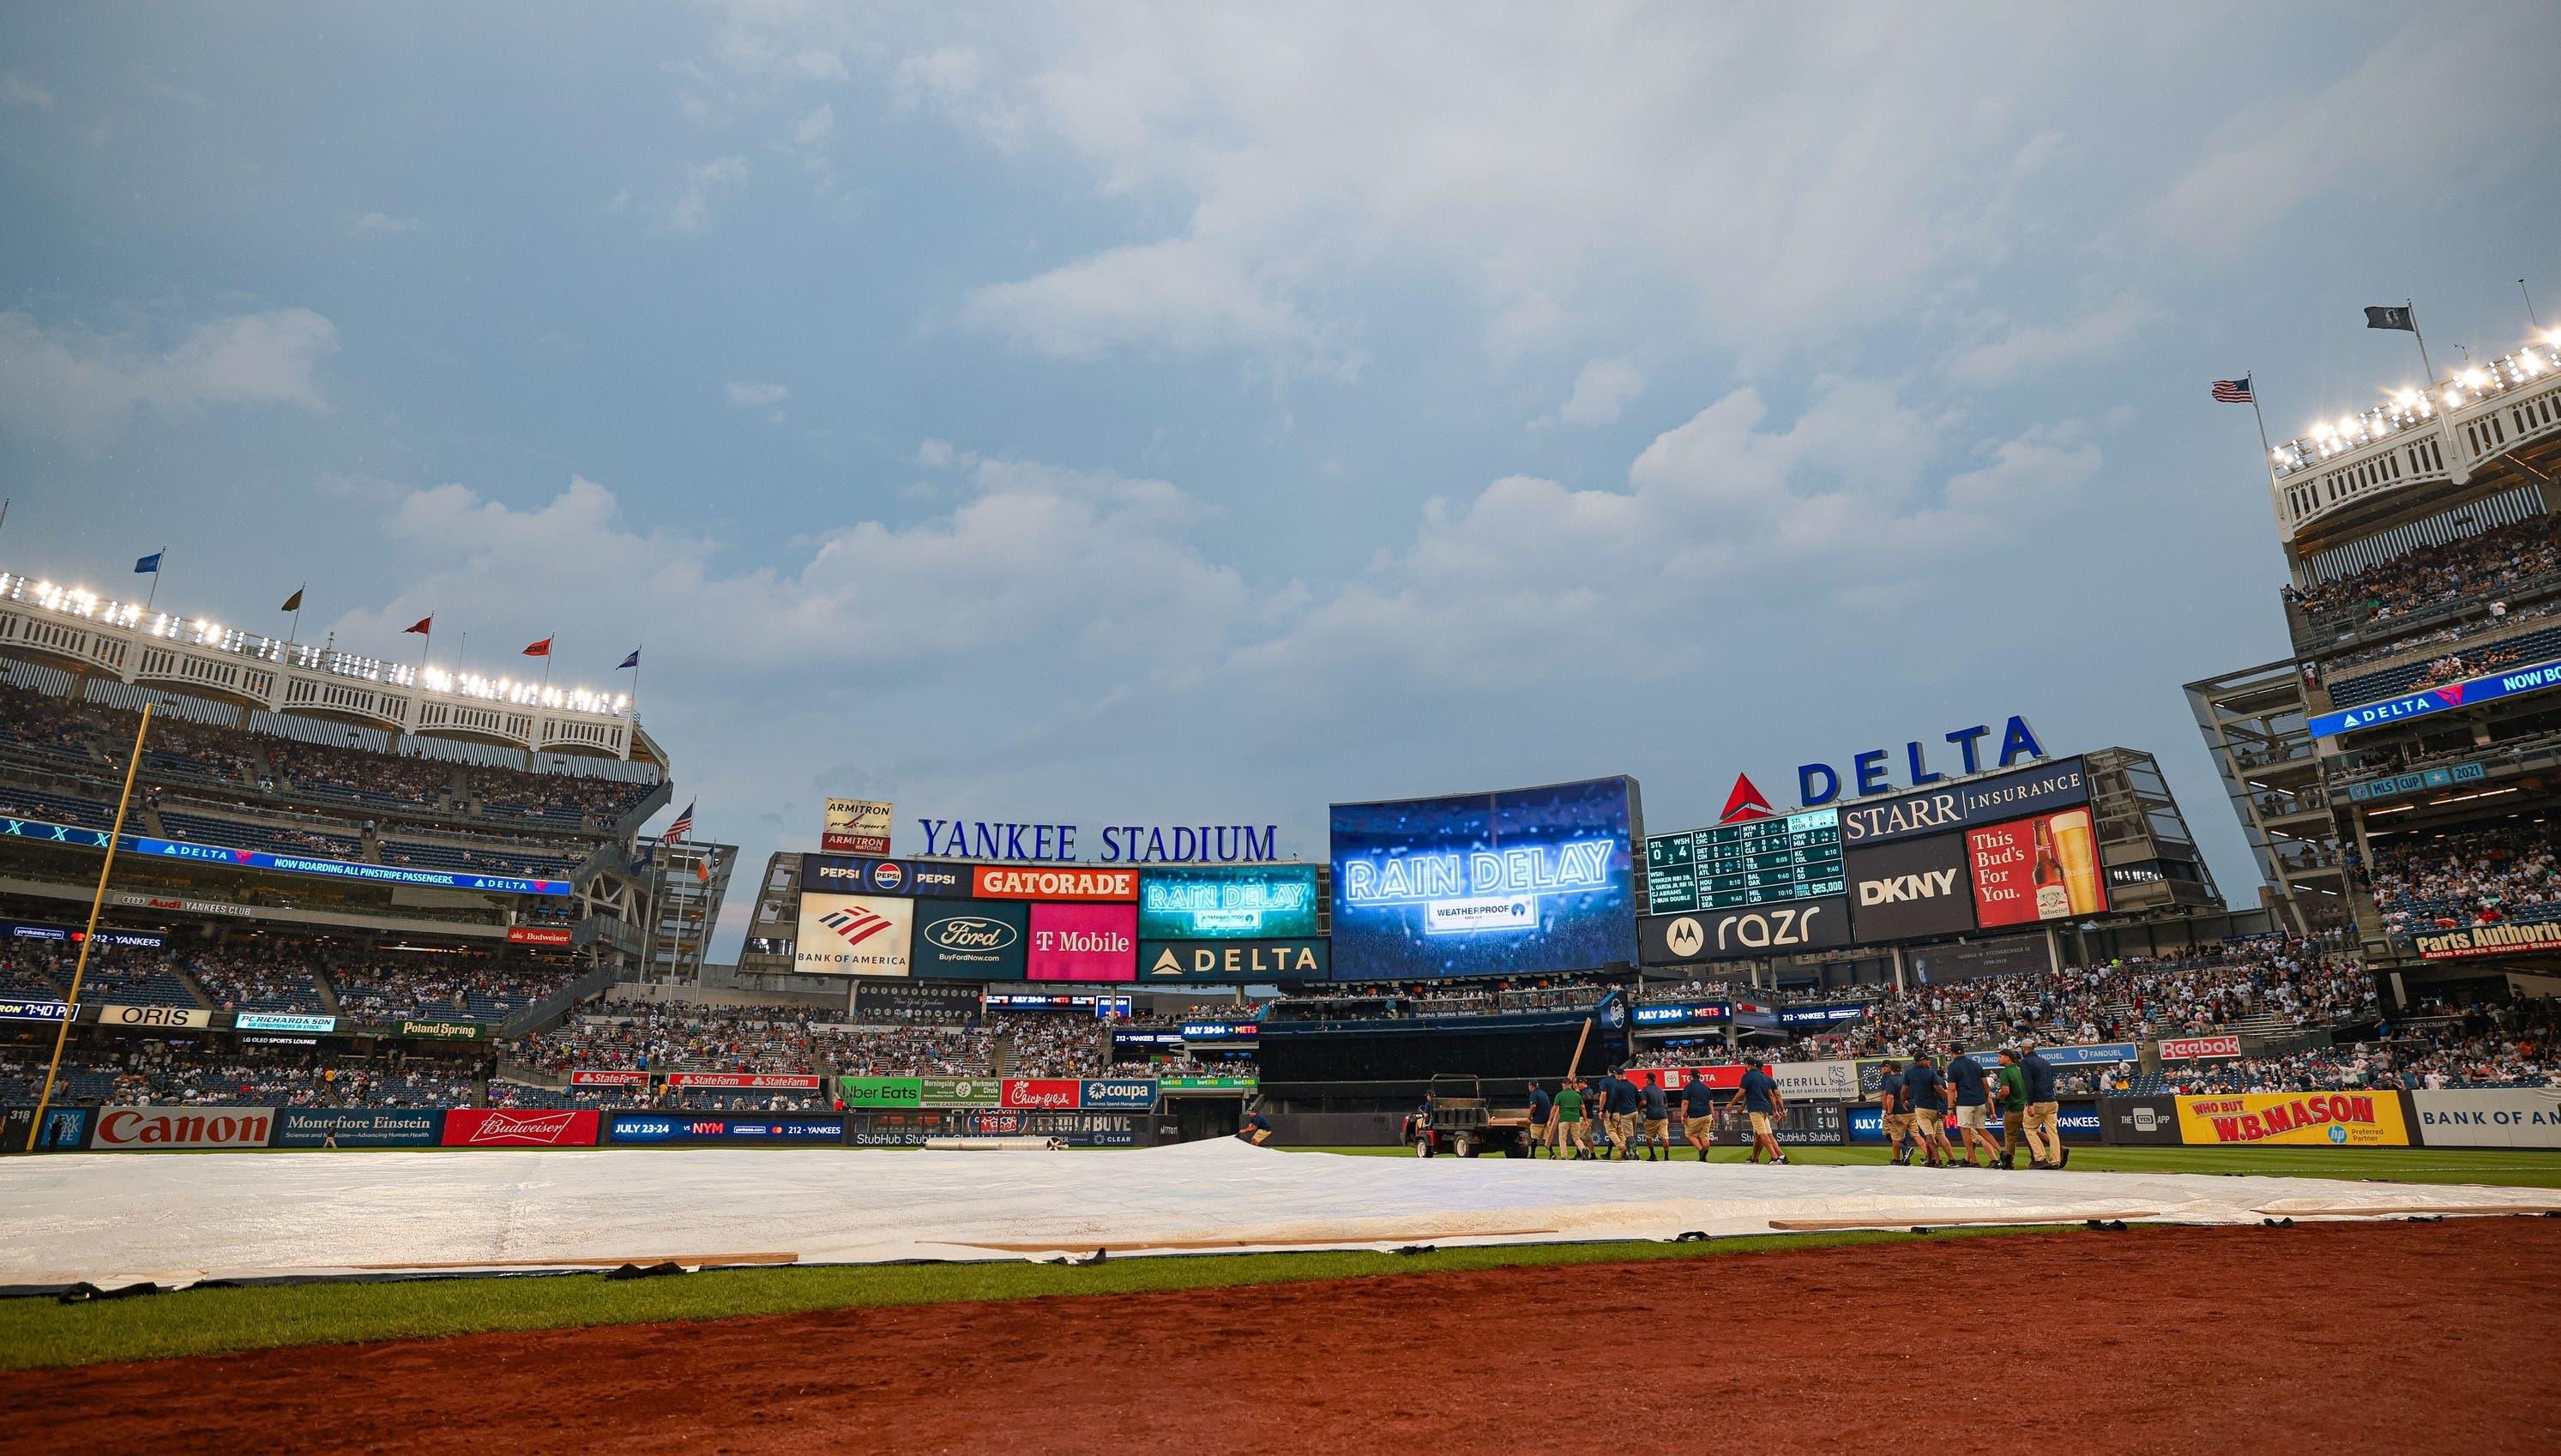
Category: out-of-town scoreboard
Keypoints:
(1758, 861)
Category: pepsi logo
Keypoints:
(888, 876)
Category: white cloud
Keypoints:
(2027, 350)
(1601, 390)
(693, 206)
(814, 129)
(934, 455)
(2276, 155)
(76, 385)
(767, 397)
(17, 89)
(1180, 294)
(381, 223)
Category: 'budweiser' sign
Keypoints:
(510, 1128)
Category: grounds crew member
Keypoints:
(2044, 1115)
(1972, 1089)
(1659, 1121)
(1761, 1099)
(1623, 1114)
(1928, 1093)
(1569, 1132)
(1698, 1103)
(1542, 1110)
(1892, 1113)
(1257, 1128)
(2009, 1094)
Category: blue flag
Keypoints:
(147, 565)
(633, 661)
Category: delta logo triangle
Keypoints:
(1745, 804)
(2452, 697)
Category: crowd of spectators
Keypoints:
(1040, 1044)
(675, 1035)
(2477, 876)
(258, 976)
(180, 1073)
(432, 987)
(2491, 562)
(913, 1051)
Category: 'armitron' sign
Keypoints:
(2506, 939)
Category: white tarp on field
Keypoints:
(115, 1218)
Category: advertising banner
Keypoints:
(153, 1016)
(128, 1129)
(1235, 960)
(856, 827)
(2045, 868)
(1198, 1086)
(972, 939)
(1817, 1080)
(1674, 1079)
(940, 880)
(854, 935)
(521, 1127)
(889, 1129)
(880, 1091)
(594, 1077)
(2140, 1121)
(2058, 784)
(1044, 1093)
(1084, 942)
(2304, 1119)
(775, 1128)
(996, 1124)
(285, 1021)
(203, 854)
(1084, 1129)
(2077, 1118)
(1681, 1013)
(1824, 1015)
(2197, 1049)
(916, 1002)
(1221, 1031)
(2534, 679)
(959, 1091)
(1006, 881)
(1910, 888)
(2508, 938)
(1761, 930)
(15, 1010)
(560, 935)
(66, 1129)
(779, 1081)
(441, 1030)
(2403, 785)
(1133, 1094)
(1945, 965)
(1486, 884)
(359, 1127)
(1228, 902)
(2520, 1117)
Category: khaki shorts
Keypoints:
(1976, 1117)
(1622, 1128)
(1659, 1129)
(1898, 1125)
(1763, 1124)
(1700, 1127)
(2043, 1114)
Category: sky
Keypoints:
(1192, 414)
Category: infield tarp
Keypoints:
(114, 1219)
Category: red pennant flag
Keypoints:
(540, 649)
(1745, 803)
(424, 625)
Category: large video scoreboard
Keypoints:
(1759, 861)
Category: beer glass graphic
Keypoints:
(2078, 849)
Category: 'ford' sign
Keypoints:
(1120, 1095)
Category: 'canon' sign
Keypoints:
(137, 1128)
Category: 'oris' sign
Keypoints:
(147, 1128)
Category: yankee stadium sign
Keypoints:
(1123, 843)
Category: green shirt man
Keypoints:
(2010, 1090)
(1569, 1105)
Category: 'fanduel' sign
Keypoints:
(1123, 843)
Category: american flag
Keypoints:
(683, 826)
(2234, 392)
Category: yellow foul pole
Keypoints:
(96, 902)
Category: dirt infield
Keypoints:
(2333, 1339)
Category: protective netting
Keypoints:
(115, 1218)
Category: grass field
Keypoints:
(38, 1333)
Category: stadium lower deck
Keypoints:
(113, 1220)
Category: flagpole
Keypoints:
(2412, 310)
(2532, 317)
(2267, 452)
(160, 558)
(295, 635)
(98, 901)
